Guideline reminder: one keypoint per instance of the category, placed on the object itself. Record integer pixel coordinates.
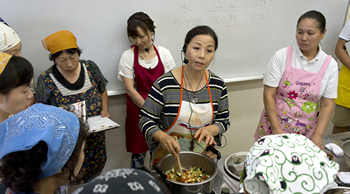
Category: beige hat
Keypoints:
(8, 37)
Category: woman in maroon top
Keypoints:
(139, 67)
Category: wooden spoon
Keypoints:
(177, 165)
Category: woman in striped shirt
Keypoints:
(189, 102)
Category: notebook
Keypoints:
(97, 123)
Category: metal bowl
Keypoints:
(234, 164)
(338, 190)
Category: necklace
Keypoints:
(194, 99)
(140, 56)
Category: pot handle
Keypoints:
(144, 168)
(215, 151)
(162, 174)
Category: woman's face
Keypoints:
(67, 63)
(80, 161)
(16, 100)
(200, 52)
(308, 35)
(15, 51)
(142, 41)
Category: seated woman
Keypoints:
(41, 148)
(15, 76)
(189, 102)
(287, 163)
(71, 80)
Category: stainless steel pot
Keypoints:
(189, 159)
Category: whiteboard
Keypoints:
(249, 31)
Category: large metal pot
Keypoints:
(189, 159)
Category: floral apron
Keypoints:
(296, 100)
(95, 149)
(144, 79)
(190, 117)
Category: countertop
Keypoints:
(224, 180)
(339, 139)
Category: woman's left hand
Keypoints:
(105, 113)
(317, 139)
(204, 133)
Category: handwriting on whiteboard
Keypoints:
(186, 23)
(226, 13)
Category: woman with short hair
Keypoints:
(16, 74)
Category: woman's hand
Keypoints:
(104, 113)
(317, 139)
(167, 142)
(326, 110)
(270, 107)
(205, 134)
(104, 99)
(277, 130)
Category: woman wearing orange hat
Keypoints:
(71, 80)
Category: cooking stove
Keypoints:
(223, 180)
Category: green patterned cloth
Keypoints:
(288, 163)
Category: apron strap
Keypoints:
(211, 100)
(289, 57)
(325, 65)
(178, 111)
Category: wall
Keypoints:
(245, 28)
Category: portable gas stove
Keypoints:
(223, 179)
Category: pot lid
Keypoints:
(234, 164)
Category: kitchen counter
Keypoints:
(223, 180)
(339, 138)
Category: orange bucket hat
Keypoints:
(60, 41)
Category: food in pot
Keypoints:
(192, 175)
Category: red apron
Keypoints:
(144, 78)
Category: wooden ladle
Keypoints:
(177, 165)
